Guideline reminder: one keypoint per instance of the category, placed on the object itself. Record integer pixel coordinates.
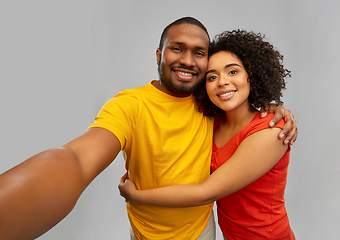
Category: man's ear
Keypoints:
(158, 55)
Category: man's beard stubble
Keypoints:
(176, 89)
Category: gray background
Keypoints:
(60, 61)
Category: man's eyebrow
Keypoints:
(225, 67)
(183, 44)
(177, 43)
(202, 48)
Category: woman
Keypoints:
(249, 163)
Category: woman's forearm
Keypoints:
(255, 156)
(174, 196)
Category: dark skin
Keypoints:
(289, 132)
(41, 191)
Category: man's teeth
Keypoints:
(226, 94)
(184, 73)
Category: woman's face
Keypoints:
(227, 81)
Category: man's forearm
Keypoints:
(38, 193)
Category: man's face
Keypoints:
(184, 59)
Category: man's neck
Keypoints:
(158, 84)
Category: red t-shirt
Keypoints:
(256, 211)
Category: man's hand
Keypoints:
(289, 132)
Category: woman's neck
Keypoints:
(233, 123)
(240, 117)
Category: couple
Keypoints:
(249, 162)
(165, 141)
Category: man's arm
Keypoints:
(41, 191)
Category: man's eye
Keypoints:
(200, 54)
(177, 49)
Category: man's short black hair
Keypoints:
(183, 20)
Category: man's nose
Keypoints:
(187, 59)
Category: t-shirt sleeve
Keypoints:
(119, 116)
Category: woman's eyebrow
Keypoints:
(225, 67)
(231, 64)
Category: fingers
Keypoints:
(125, 189)
(124, 177)
(271, 108)
(263, 112)
(279, 114)
(296, 131)
(293, 139)
(289, 131)
(290, 135)
(120, 186)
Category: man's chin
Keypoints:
(185, 91)
(180, 87)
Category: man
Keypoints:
(164, 139)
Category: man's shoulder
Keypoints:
(138, 91)
(131, 98)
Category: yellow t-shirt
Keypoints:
(165, 141)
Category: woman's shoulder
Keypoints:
(259, 123)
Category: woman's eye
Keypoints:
(211, 78)
(233, 72)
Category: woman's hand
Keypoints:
(289, 132)
(127, 188)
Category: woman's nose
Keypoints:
(223, 80)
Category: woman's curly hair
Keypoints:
(262, 62)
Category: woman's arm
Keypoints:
(255, 156)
